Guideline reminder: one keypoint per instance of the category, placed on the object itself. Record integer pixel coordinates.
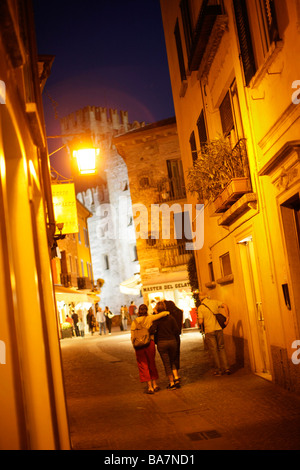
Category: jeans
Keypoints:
(102, 327)
(215, 344)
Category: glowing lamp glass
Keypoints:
(86, 161)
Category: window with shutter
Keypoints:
(269, 14)
(176, 179)
(226, 115)
(202, 129)
(193, 147)
(187, 25)
(179, 52)
(225, 265)
(246, 48)
(230, 115)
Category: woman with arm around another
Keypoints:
(146, 356)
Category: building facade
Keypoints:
(153, 160)
(234, 75)
(76, 290)
(32, 400)
(107, 197)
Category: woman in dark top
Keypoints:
(177, 313)
(166, 338)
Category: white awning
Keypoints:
(69, 295)
(131, 286)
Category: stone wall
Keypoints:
(111, 231)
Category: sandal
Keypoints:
(156, 389)
(177, 383)
(149, 392)
(171, 387)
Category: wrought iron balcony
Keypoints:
(174, 254)
(68, 279)
(84, 283)
(170, 189)
(240, 183)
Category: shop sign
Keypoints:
(167, 286)
(65, 208)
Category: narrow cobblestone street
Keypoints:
(109, 411)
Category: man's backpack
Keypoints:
(140, 335)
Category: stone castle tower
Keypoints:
(107, 196)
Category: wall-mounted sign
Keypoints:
(167, 286)
(65, 208)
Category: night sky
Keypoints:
(108, 53)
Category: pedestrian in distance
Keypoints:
(101, 320)
(75, 322)
(166, 338)
(132, 311)
(108, 318)
(121, 318)
(91, 321)
(207, 311)
(151, 307)
(124, 317)
(145, 354)
(80, 325)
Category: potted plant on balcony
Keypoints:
(220, 172)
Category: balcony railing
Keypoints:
(72, 280)
(68, 279)
(207, 19)
(174, 254)
(170, 189)
(84, 283)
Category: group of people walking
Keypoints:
(160, 328)
(104, 319)
(164, 329)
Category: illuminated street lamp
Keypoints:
(83, 150)
(86, 160)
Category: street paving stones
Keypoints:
(108, 410)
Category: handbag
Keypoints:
(221, 319)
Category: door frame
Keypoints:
(260, 357)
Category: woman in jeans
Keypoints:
(166, 338)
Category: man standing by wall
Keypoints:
(213, 332)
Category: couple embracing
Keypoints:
(164, 329)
